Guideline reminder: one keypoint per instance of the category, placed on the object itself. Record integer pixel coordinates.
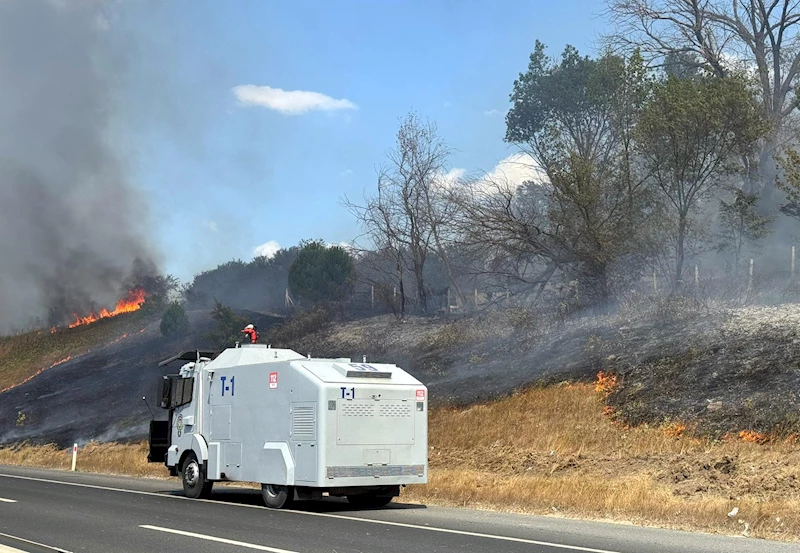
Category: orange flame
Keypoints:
(132, 302)
(605, 384)
(753, 436)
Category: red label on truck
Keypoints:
(420, 395)
(273, 381)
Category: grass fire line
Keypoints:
(553, 451)
(131, 302)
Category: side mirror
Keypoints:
(165, 393)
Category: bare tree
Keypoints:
(713, 34)
(409, 214)
(506, 228)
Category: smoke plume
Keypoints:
(69, 220)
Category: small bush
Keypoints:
(229, 327)
(174, 321)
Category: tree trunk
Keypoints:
(400, 283)
(769, 172)
(422, 296)
(679, 250)
(602, 284)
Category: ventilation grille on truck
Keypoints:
(303, 424)
(360, 374)
(353, 409)
(401, 411)
(375, 471)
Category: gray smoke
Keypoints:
(70, 236)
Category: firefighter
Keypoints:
(251, 333)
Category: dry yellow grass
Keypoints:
(123, 459)
(553, 451)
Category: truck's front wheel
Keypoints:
(277, 497)
(194, 480)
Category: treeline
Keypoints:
(674, 148)
(671, 149)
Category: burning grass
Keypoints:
(131, 302)
(554, 451)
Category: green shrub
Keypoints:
(174, 321)
(229, 327)
(321, 274)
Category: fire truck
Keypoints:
(304, 428)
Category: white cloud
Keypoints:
(510, 171)
(448, 105)
(288, 102)
(516, 169)
(453, 176)
(267, 249)
(346, 173)
(211, 225)
(494, 112)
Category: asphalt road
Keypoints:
(45, 511)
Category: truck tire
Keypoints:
(194, 480)
(276, 496)
(369, 500)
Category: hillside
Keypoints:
(718, 371)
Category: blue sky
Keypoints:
(222, 176)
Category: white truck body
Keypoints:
(259, 414)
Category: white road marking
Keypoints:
(216, 539)
(7, 549)
(36, 543)
(4, 500)
(327, 515)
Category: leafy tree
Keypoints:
(258, 285)
(320, 273)
(790, 182)
(159, 288)
(715, 36)
(229, 327)
(575, 117)
(741, 224)
(174, 321)
(691, 135)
